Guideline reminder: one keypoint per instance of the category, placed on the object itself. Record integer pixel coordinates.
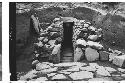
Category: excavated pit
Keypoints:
(67, 45)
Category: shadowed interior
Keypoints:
(67, 44)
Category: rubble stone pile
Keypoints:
(49, 43)
(87, 41)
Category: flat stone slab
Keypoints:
(69, 64)
(102, 72)
(71, 69)
(121, 70)
(110, 70)
(88, 68)
(65, 72)
(51, 74)
(45, 71)
(59, 77)
(100, 79)
(81, 75)
(41, 79)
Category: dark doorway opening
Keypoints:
(67, 44)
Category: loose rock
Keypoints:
(104, 56)
(78, 54)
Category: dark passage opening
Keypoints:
(67, 44)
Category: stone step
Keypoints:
(67, 58)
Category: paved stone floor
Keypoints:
(76, 71)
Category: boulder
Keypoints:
(92, 37)
(78, 54)
(119, 61)
(91, 54)
(95, 45)
(81, 42)
(104, 56)
(81, 75)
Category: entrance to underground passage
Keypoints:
(67, 44)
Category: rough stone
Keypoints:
(104, 56)
(117, 52)
(81, 75)
(40, 44)
(95, 45)
(112, 56)
(54, 35)
(91, 54)
(95, 65)
(29, 75)
(92, 37)
(40, 38)
(119, 61)
(91, 28)
(41, 79)
(86, 25)
(65, 72)
(59, 77)
(110, 70)
(121, 70)
(56, 49)
(123, 76)
(51, 74)
(78, 54)
(100, 79)
(102, 72)
(45, 40)
(52, 43)
(70, 64)
(81, 42)
(88, 68)
(74, 68)
(46, 71)
(41, 66)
